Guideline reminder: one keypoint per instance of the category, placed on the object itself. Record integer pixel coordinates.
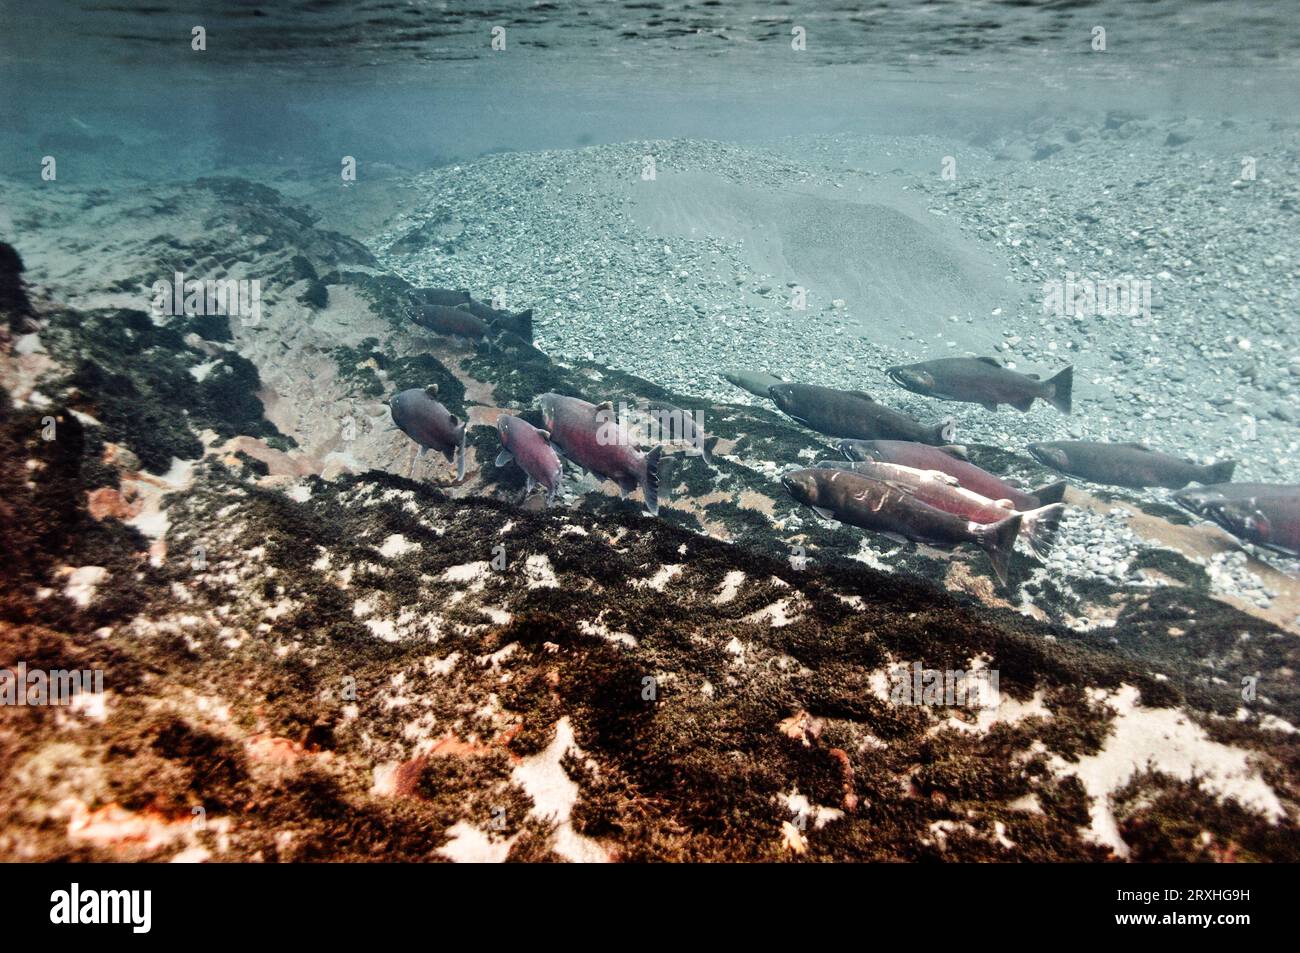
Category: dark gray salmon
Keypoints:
(843, 413)
(982, 380)
(531, 449)
(592, 438)
(520, 323)
(445, 297)
(756, 382)
(676, 426)
(422, 418)
(453, 321)
(1266, 514)
(944, 459)
(1126, 464)
(892, 509)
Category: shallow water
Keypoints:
(675, 191)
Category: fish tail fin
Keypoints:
(706, 449)
(650, 480)
(944, 431)
(1052, 493)
(460, 457)
(525, 319)
(1061, 388)
(1220, 472)
(999, 541)
(1040, 526)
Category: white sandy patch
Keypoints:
(299, 493)
(200, 372)
(730, 586)
(384, 783)
(866, 554)
(469, 845)
(598, 627)
(385, 629)
(396, 545)
(1007, 711)
(799, 805)
(879, 683)
(1268, 722)
(499, 656)
(660, 579)
(152, 519)
(92, 705)
(82, 582)
(1165, 740)
(777, 614)
(1027, 802)
(540, 574)
(554, 793)
(473, 573)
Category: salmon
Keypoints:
(895, 510)
(591, 437)
(947, 460)
(982, 380)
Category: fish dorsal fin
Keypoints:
(863, 394)
(455, 421)
(989, 360)
(1005, 504)
(1033, 377)
(1137, 446)
(545, 434)
(606, 405)
(463, 306)
(432, 390)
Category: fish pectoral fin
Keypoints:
(1023, 405)
(544, 434)
(989, 360)
(938, 476)
(504, 457)
(529, 484)
(823, 512)
(450, 454)
(989, 405)
(1005, 504)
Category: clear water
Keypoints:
(415, 82)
